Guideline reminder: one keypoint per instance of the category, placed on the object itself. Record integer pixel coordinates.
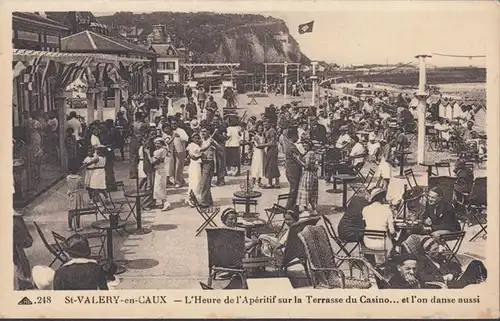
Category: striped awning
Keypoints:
(66, 57)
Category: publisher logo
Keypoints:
(25, 301)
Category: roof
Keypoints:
(162, 50)
(36, 18)
(90, 41)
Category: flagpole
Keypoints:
(314, 79)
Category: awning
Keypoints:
(66, 57)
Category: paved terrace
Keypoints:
(171, 257)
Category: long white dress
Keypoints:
(160, 185)
(98, 176)
(140, 166)
(194, 170)
(257, 168)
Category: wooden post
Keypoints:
(422, 96)
(100, 105)
(90, 108)
(285, 75)
(265, 76)
(63, 124)
(117, 99)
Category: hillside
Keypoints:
(245, 38)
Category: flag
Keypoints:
(123, 71)
(50, 69)
(81, 67)
(34, 64)
(18, 68)
(306, 27)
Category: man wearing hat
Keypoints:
(344, 138)
(406, 276)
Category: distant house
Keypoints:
(170, 58)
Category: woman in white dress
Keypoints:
(160, 184)
(257, 168)
(140, 165)
(194, 169)
(386, 163)
(97, 180)
(168, 137)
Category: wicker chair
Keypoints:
(322, 265)
(226, 250)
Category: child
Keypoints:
(75, 198)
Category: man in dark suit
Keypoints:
(318, 131)
(439, 215)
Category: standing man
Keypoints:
(293, 166)
(180, 140)
(210, 108)
(207, 168)
(202, 97)
(220, 136)
(271, 170)
(191, 109)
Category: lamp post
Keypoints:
(285, 75)
(422, 96)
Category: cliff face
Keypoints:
(248, 39)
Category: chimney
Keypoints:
(158, 33)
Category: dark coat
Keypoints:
(443, 217)
(83, 275)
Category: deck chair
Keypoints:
(207, 213)
(54, 249)
(439, 165)
(243, 202)
(410, 178)
(323, 269)
(294, 252)
(226, 250)
(477, 205)
(342, 253)
(452, 242)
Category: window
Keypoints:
(162, 65)
(170, 52)
(170, 77)
(171, 65)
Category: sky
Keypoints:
(375, 36)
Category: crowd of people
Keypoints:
(211, 143)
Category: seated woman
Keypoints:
(465, 177)
(378, 217)
(230, 218)
(80, 272)
(273, 246)
(352, 221)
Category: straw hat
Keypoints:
(159, 140)
(375, 192)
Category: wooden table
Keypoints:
(105, 225)
(345, 178)
(269, 284)
(247, 196)
(402, 154)
(249, 223)
(137, 195)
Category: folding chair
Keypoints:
(340, 243)
(362, 184)
(434, 140)
(439, 165)
(244, 202)
(54, 249)
(60, 241)
(409, 174)
(451, 251)
(205, 287)
(382, 235)
(78, 212)
(478, 205)
(277, 208)
(208, 213)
